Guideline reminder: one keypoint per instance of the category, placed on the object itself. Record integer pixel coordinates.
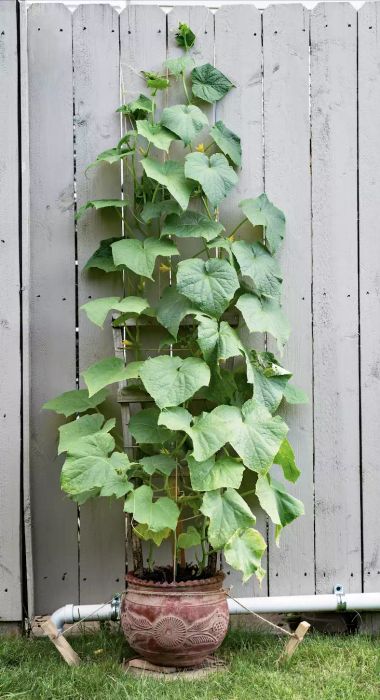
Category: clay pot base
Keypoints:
(140, 667)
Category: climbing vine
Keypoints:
(207, 440)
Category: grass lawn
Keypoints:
(327, 668)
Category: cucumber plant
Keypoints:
(210, 434)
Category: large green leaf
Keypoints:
(286, 460)
(228, 512)
(70, 433)
(210, 284)
(261, 212)
(186, 121)
(227, 141)
(172, 309)
(76, 401)
(281, 507)
(157, 515)
(256, 263)
(209, 84)
(269, 379)
(140, 256)
(161, 464)
(102, 259)
(153, 210)
(264, 316)
(96, 471)
(252, 431)
(97, 310)
(215, 473)
(171, 380)
(176, 418)
(145, 430)
(244, 551)
(217, 340)
(103, 373)
(156, 134)
(171, 175)
(191, 224)
(102, 204)
(157, 537)
(214, 174)
(116, 483)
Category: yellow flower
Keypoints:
(231, 238)
(200, 148)
(164, 268)
(127, 343)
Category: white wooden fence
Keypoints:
(307, 106)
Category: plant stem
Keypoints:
(185, 87)
(237, 227)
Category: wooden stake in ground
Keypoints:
(293, 643)
(59, 641)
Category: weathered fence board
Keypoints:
(52, 295)
(369, 273)
(287, 182)
(307, 106)
(97, 128)
(238, 54)
(10, 359)
(335, 296)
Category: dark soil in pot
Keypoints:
(175, 624)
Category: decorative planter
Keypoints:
(175, 624)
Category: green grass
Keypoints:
(327, 668)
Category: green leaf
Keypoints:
(190, 538)
(145, 430)
(209, 84)
(228, 512)
(176, 418)
(171, 175)
(97, 310)
(172, 309)
(102, 259)
(264, 316)
(156, 134)
(191, 224)
(256, 263)
(261, 212)
(76, 401)
(286, 460)
(269, 379)
(155, 81)
(142, 103)
(217, 340)
(177, 66)
(132, 369)
(214, 174)
(101, 204)
(294, 395)
(111, 156)
(184, 120)
(215, 473)
(253, 433)
(281, 507)
(210, 284)
(70, 433)
(171, 380)
(116, 483)
(103, 373)
(153, 210)
(163, 464)
(228, 142)
(157, 537)
(244, 552)
(140, 256)
(185, 37)
(157, 515)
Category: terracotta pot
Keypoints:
(175, 624)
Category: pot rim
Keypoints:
(216, 580)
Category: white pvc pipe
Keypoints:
(275, 604)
